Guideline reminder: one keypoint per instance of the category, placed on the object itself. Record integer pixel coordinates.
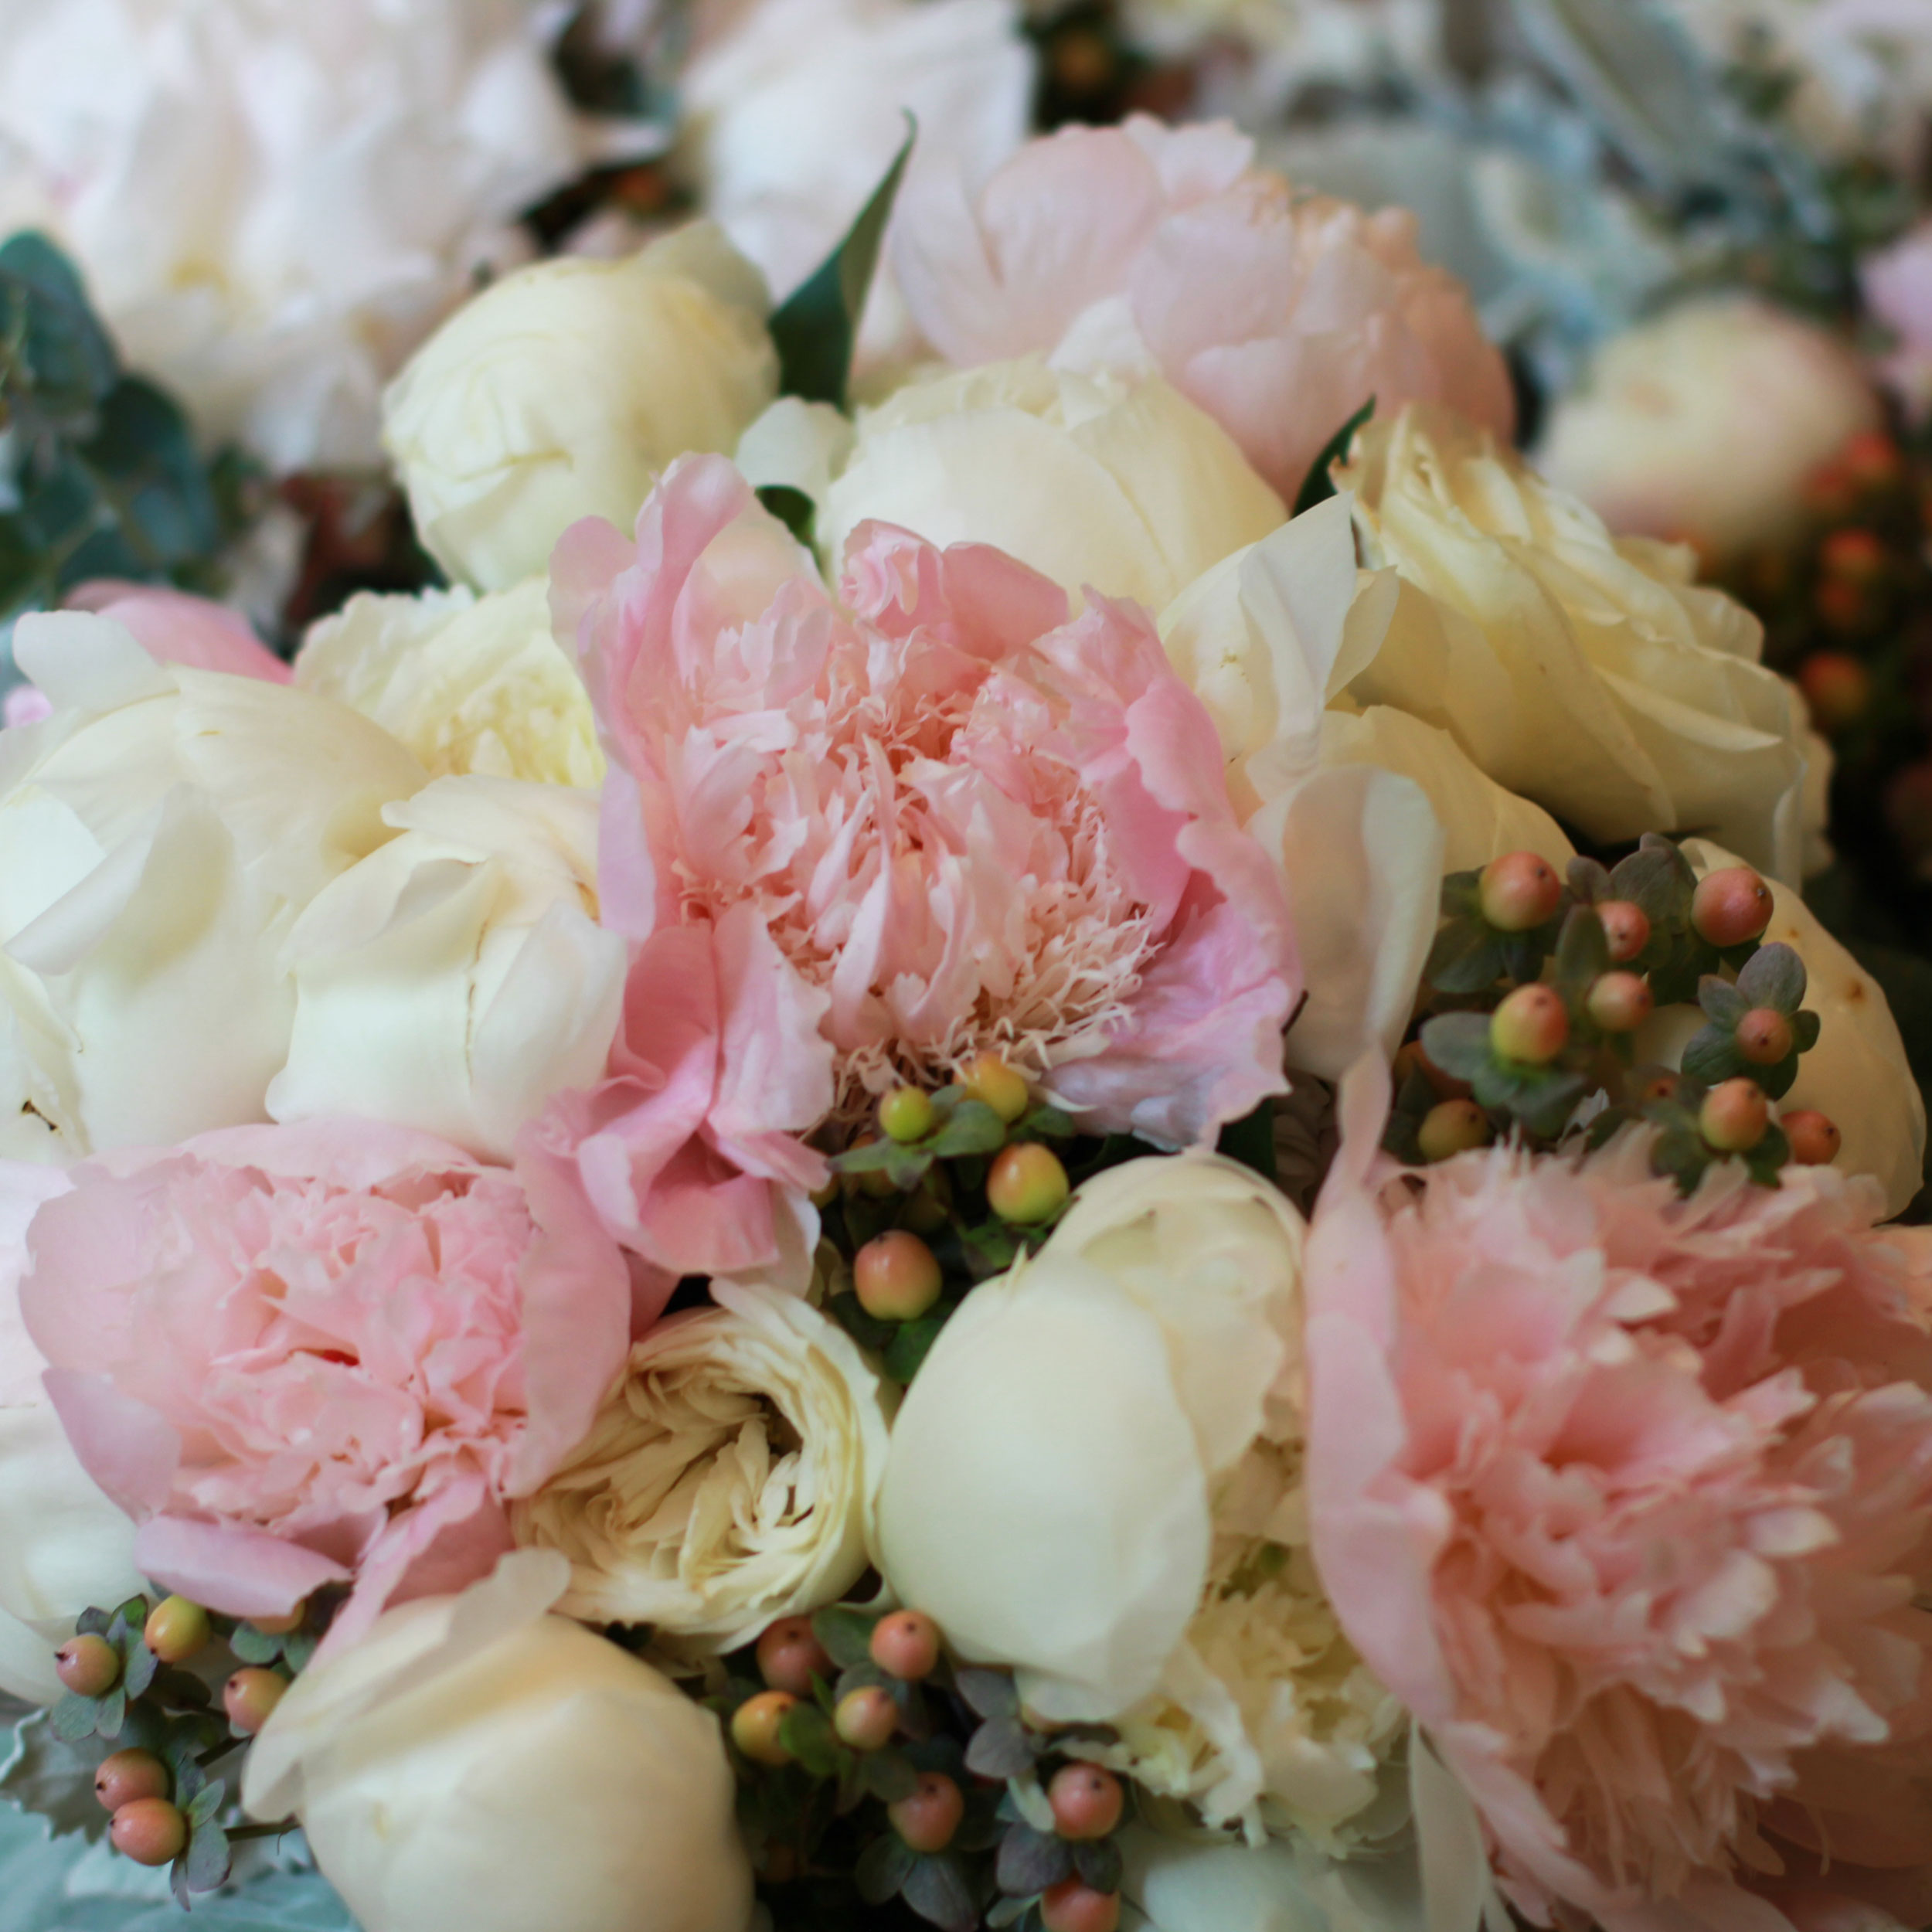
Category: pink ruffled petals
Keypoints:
(175, 627)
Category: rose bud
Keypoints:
(906, 1645)
(150, 1831)
(1027, 1184)
(1519, 892)
(1532, 1026)
(790, 1656)
(1451, 1127)
(1730, 907)
(927, 1820)
(897, 1277)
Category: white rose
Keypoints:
(1589, 674)
(1704, 425)
(732, 1478)
(1857, 1073)
(1096, 480)
(1363, 810)
(474, 1765)
(561, 391)
(1173, 1884)
(457, 977)
(272, 204)
(469, 684)
(158, 834)
(1095, 1478)
(63, 1546)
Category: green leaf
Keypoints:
(815, 329)
(1711, 1055)
(939, 1890)
(1723, 1003)
(1774, 977)
(1005, 1912)
(1030, 1861)
(1459, 1044)
(138, 1672)
(1583, 952)
(889, 1776)
(52, 1777)
(806, 1732)
(59, 361)
(1589, 881)
(1467, 957)
(1318, 486)
(74, 1718)
(207, 1801)
(988, 1693)
(883, 1867)
(907, 1353)
(1042, 1121)
(1250, 1141)
(1656, 879)
(845, 1634)
(972, 1128)
(1098, 1862)
(112, 1714)
(1804, 1030)
(253, 1646)
(792, 508)
(209, 1862)
(1000, 1748)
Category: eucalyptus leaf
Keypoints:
(1459, 1044)
(1030, 1861)
(845, 1634)
(999, 1749)
(1724, 1004)
(988, 1693)
(1583, 952)
(1773, 976)
(1098, 1862)
(883, 1866)
(889, 1776)
(53, 1776)
(938, 1890)
(208, 1858)
(1711, 1055)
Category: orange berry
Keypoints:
(1087, 1801)
(897, 1277)
(1519, 891)
(1734, 1116)
(1626, 926)
(1659, 1084)
(1073, 1905)
(1764, 1036)
(1026, 1184)
(1530, 1026)
(1815, 1137)
(249, 1698)
(1870, 459)
(89, 1666)
(755, 1725)
(279, 1626)
(1837, 688)
(150, 1831)
(1857, 555)
(1451, 1127)
(124, 1777)
(927, 1820)
(1730, 907)
(176, 1629)
(991, 1079)
(790, 1656)
(906, 1644)
(866, 1718)
(1843, 604)
(1621, 1002)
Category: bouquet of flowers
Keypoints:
(1061, 1148)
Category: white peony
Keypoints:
(1121, 485)
(732, 1478)
(474, 1764)
(563, 390)
(159, 833)
(469, 684)
(274, 201)
(457, 977)
(1095, 1478)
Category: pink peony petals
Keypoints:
(238, 1571)
(174, 627)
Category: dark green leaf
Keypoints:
(792, 508)
(1773, 977)
(207, 1801)
(139, 1670)
(1005, 1912)
(1711, 1055)
(1589, 881)
(814, 331)
(883, 1867)
(208, 1858)
(92, 1623)
(1030, 1861)
(806, 1732)
(1318, 486)
(938, 1890)
(1804, 1030)
(1722, 1003)
(1042, 1121)
(1467, 957)
(75, 1718)
(112, 1714)
(1459, 1044)
(845, 1633)
(973, 1128)
(1582, 953)
(1250, 1141)
(887, 1775)
(988, 1693)
(1657, 880)
(999, 1749)
(909, 1347)
(59, 361)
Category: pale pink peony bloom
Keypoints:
(1628, 1497)
(1279, 315)
(174, 627)
(308, 1354)
(936, 820)
(1897, 283)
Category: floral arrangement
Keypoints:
(1048, 1138)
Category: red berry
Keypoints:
(1815, 1137)
(1530, 1026)
(1734, 1116)
(906, 1644)
(1829, 490)
(991, 1079)
(1731, 906)
(89, 1666)
(1621, 1002)
(1837, 688)
(1764, 1036)
(927, 1820)
(1026, 1185)
(249, 1698)
(907, 1114)
(1451, 1127)
(755, 1724)
(866, 1718)
(897, 1277)
(1843, 602)
(1520, 891)
(789, 1656)
(150, 1831)
(176, 1629)
(1087, 1801)
(1870, 459)
(1908, 807)
(1627, 927)
(125, 1776)
(1073, 1905)
(1857, 555)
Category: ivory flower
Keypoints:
(1133, 1538)
(731, 1478)
(1146, 246)
(470, 685)
(1119, 485)
(473, 1765)
(1587, 673)
(562, 391)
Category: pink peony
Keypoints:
(299, 1355)
(1280, 315)
(1628, 1497)
(173, 627)
(1898, 289)
(937, 821)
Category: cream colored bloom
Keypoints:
(563, 390)
(457, 977)
(1122, 485)
(1095, 1478)
(1589, 674)
(469, 684)
(474, 1765)
(732, 1478)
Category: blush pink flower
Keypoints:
(936, 820)
(308, 1354)
(173, 627)
(1627, 1497)
(1897, 283)
(1279, 315)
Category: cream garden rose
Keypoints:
(1095, 1478)
(159, 833)
(470, 684)
(1118, 483)
(732, 1478)
(1588, 673)
(561, 391)
(474, 1764)
(457, 978)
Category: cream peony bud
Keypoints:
(1590, 675)
(1704, 425)
(457, 978)
(1094, 481)
(158, 834)
(475, 1765)
(1857, 1073)
(1096, 1478)
(561, 391)
(732, 1478)
(469, 684)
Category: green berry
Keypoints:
(907, 1114)
(1452, 1127)
(1026, 1184)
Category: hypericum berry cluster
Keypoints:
(1539, 989)
(864, 1748)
